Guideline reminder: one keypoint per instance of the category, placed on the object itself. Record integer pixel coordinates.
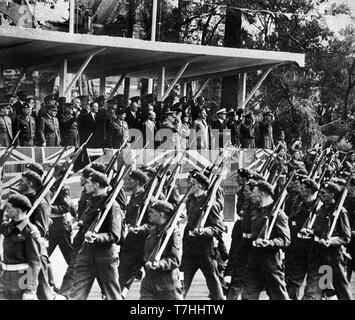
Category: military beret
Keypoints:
(265, 187)
(309, 183)
(200, 178)
(301, 171)
(176, 107)
(244, 173)
(99, 167)
(36, 167)
(86, 172)
(332, 187)
(20, 201)
(163, 206)
(99, 178)
(52, 105)
(139, 176)
(34, 178)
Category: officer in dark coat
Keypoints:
(198, 244)
(132, 249)
(21, 252)
(219, 130)
(98, 258)
(89, 124)
(247, 131)
(26, 124)
(161, 281)
(6, 135)
(68, 121)
(265, 267)
(117, 131)
(328, 249)
(133, 114)
(233, 124)
(49, 131)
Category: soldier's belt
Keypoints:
(13, 267)
(54, 215)
(247, 235)
(302, 236)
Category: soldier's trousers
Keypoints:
(297, 267)
(239, 269)
(264, 270)
(327, 268)
(95, 264)
(10, 285)
(351, 263)
(60, 235)
(129, 267)
(44, 290)
(161, 285)
(189, 266)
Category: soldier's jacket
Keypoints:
(110, 231)
(60, 207)
(134, 242)
(280, 235)
(349, 205)
(174, 196)
(40, 217)
(49, 131)
(22, 244)
(83, 203)
(290, 201)
(5, 131)
(69, 129)
(323, 222)
(299, 214)
(200, 245)
(27, 127)
(117, 132)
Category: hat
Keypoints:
(34, 178)
(163, 206)
(52, 105)
(20, 201)
(200, 178)
(121, 110)
(244, 173)
(86, 172)
(231, 112)
(309, 183)
(222, 111)
(135, 99)
(267, 113)
(99, 167)
(139, 176)
(35, 167)
(176, 107)
(100, 178)
(69, 105)
(332, 187)
(265, 187)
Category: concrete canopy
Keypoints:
(44, 50)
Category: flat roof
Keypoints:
(43, 50)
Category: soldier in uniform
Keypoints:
(328, 249)
(301, 244)
(48, 128)
(26, 124)
(220, 130)
(198, 244)
(6, 136)
(117, 131)
(68, 121)
(264, 268)
(132, 249)
(161, 281)
(97, 257)
(21, 252)
(30, 185)
(233, 124)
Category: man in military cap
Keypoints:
(220, 131)
(328, 248)
(36, 167)
(264, 268)
(17, 107)
(26, 125)
(132, 249)
(198, 243)
(68, 121)
(6, 133)
(247, 131)
(21, 263)
(98, 258)
(161, 281)
(49, 130)
(30, 185)
(297, 254)
(117, 129)
(133, 116)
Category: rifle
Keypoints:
(168, 231)
(53, 167)
(316, 163)
(267, 163)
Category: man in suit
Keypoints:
(200, 136)
(5, 125)
(69, 125)
(26, 125)
(88, 125)
(49, 131)
(18, 105)
(133, 113)
(220, 131)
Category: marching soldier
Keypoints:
(26, 124)
(328, 249)
(264, 267)
(301, 244)
(22, 248)
(161, 281)
(98, 257)
(198, 244)
(132, 249)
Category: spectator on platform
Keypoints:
(220, 130)
(133, 113)
(201, 136)
(247, 131)
(48, 129)
(88, 125)
(68, 121)
(6, 134)
(117, 128)
(266, 131)
(149, 130)
(26, 125)
(18, 105)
